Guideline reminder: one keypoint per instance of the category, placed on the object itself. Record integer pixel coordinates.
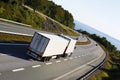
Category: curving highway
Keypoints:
(16, 65)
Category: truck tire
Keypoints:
(58, 57)
(43, 59)
(64, 55)
(49, 58)
(46, 59)
(70, 55)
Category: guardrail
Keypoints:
(10, 21)
(85, 76)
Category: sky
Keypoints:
(103, 15)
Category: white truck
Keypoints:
(70, 47)
(44, 46)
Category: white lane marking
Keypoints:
(69, 72)
(20, 69)
(75, 57)
(49, 63)
(79, 56)
(65, 59)
(58, 61)
(71, 58)
(35, 66)
(76, 69)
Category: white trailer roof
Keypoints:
(51, 36)
(66, 37)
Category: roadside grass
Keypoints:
(5, 37)
(70, 31)
(57, 28)
(14, 38)
(100, 76)
(83, 43)
(110, 70)
(108, 74)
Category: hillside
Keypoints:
(52, 10)
(13, 10)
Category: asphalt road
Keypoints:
(4, 26)
(7, 27)
(16, 65)
(15, 28)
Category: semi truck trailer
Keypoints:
(70, 47)
(44, 46)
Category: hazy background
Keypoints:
(103, 15)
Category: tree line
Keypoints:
(52, 10)
(102, 40)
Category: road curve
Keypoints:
(16, 65)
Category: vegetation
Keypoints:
(83, 43)
(111, 70)
(14, 38)
(20, 38)
(13, 10)
(52, 10)
(10, 9)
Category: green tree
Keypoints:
(52, 10)
(34, 3)
(1, 10)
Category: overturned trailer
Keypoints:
(70, 47)
(44, 46)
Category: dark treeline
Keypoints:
(52, 10)
(101, 40)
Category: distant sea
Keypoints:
(79, 25)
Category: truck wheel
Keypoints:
(58, 56)
(49, 58)
(64, 55)
(70, 55)
(46, 59)
(43, 59)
